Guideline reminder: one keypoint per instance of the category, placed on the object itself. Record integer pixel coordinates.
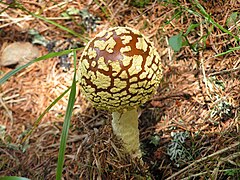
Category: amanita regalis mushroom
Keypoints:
(119, 70)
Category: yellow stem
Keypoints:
(125, 127)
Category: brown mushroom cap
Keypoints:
(119, 69)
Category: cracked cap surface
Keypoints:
(119, 69)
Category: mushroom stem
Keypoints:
(125, 127)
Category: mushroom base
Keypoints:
(125, 127)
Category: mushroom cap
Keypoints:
(119, 69)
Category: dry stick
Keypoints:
(117, 10)
(29, 18)
(9, 113)
(203, 159)
(73, 140)
(195, 175)
(14, 21)
(205, 80)
(200, 174)
(59, 5)
(232, 156)
(216, 170)
(225, 71)
(169, 51)
(235, 25)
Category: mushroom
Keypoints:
(119, 70)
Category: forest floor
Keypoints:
(190, 129)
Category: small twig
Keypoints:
(9, 154)
(205, 80)
(195, 175)
(171, 95)
(10, 97)
(116, 149)
(7, 110)
(72, 140)
(30, 18)
(216, 170)
(203, 159)
(234, 26)
(113, 15)
(224, 72)
(27, 18)
(61, 5)
(80, 148)
(169, 51)
(203, 173)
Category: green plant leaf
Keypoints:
(37, 38)
(66, 123)
(232, 172)
(139, 3)
(155, 140)
(70, 11)
(190, 28)
(176, 42)
(233, 18)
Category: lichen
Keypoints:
(177, 149)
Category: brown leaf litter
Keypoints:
(198, 94)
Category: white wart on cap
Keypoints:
(119, 69)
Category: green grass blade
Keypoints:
(49, 55)
(66, 124)
(20, 6)
(8, 6)
(208, 17)
(84, 39)
(37, 122)
(13, 178)
(228, 51)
